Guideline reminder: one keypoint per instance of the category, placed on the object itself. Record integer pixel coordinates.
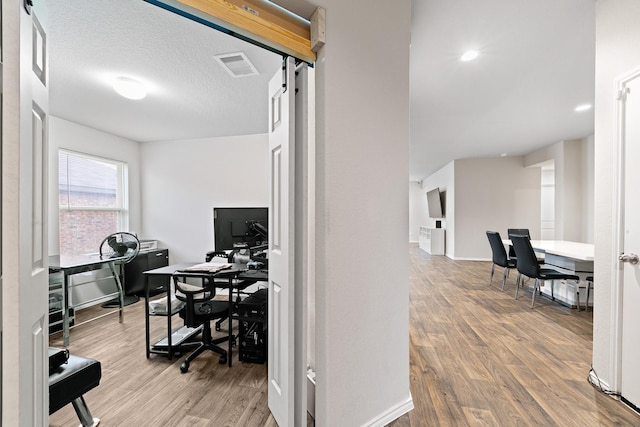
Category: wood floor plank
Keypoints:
(480, 357)
(477, 357)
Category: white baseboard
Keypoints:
(392, 414)
(470, 259)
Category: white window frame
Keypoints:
(122, 189)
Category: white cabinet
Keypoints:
(432, 240)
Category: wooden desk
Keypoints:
(74, 264)
(175, 338)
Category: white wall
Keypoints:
(76, 137)
(485, 194)
(573, 165)
(418, 214)
(362, 297)
(588, 189)
(444, 179)
(617, 53)
(493, 194)
(182, 181)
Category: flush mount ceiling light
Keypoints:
(583, 107)
(129, 88)
(469, 55)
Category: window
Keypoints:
(92, 194)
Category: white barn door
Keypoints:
(25, 100)
(281, 244)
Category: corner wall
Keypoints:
(493, 194)
(444, 180)
(617, 41)
(417, 210)
(573, 171)
(362, 129)
(182, 181)
(485, 194)
(75, 137)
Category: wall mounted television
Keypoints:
(235, 225)
(435, 203)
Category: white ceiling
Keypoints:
(191, 95)
(536, 65)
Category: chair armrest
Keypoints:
(212, 254)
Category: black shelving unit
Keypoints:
(134, 280)
(176, 340)
(56, 302)
(252, 337)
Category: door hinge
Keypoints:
(622, 94)
(28, 4)
(284, 74)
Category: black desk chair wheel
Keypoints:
(200, 309)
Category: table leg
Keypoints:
(230, 320)
(146, 313)
(65, 309)
(120, 291)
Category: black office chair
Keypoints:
(200, 309)
(527, 265)
(239, 285)
(499, 257)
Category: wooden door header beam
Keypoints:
(254, 20)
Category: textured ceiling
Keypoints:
(536, 64)
(190, 95)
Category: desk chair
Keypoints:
(528, 265)
(499, 256)
(200, 309)
(223, 283)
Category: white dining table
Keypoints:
(570, 257)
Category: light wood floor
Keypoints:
(478, 357)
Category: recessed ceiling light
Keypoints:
(469, 55)
(583, 107)
(129, 88)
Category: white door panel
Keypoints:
(281, 245)
(630, 345)
(24, 240)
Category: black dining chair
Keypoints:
(589, 280)
(499, 257)
(521, 232)
(527, 265)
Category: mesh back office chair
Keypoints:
(499, 256)
(528, 265)
(200, 309)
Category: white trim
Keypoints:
(465, 258)
(392, 414)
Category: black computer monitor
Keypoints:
(240, 225)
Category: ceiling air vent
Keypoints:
(237, 64)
